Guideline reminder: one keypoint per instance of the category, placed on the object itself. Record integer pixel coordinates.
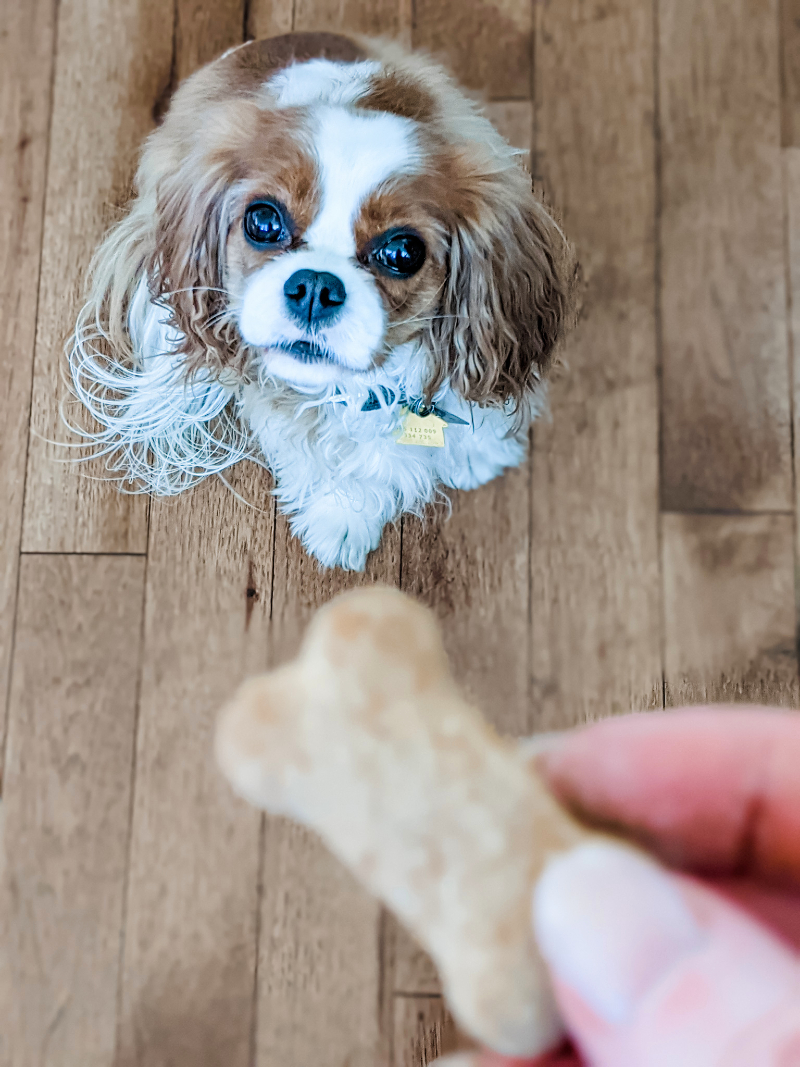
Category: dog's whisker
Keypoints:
(192, 289)
(425, 318)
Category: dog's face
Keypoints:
(337, 211)
(330, 263)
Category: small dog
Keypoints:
(335, 263)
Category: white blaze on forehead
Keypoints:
(321, 81)
(355, 152)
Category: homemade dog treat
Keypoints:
(366, 739)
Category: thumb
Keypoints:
(653, 969)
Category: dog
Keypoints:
(333, 263)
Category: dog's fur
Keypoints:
(177, 352)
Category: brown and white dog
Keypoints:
(327, 233)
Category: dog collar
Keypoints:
(416, 405)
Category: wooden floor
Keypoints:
(645, 556)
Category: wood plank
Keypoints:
(319, 966)
(26, 66)
(791, 178)
(790, 73)
(472, 569)
(487, 43)
(318, 974)
(66, 808)
(385, 18)
(514, 120)
(595, 601)
(729, 609)
(203, 32)
(269, 18)
(408, 967)
(190, 945)
(595, 580)
(112, 67)
(725, 398)
(423, 1030)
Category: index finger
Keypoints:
(716, 790)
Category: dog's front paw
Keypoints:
(338, 535)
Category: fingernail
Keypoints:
(610, 924)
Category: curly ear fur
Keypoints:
(186, 265)
(508, 296)
(173, 240)
(155, 333)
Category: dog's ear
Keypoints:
(507, 297)
(186, 267)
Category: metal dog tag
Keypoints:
(425, 430)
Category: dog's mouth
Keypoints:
(305, 352)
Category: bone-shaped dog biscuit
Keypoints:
(366, 739)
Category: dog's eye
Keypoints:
(401, 255)
(263, 224)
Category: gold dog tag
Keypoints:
(427, 430)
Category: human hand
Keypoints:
(658, 969)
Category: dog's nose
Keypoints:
(313, 297)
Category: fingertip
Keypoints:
(654, 968)
(609, 923)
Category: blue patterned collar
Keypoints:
(416, 405)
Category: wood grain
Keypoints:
(387, 18)
(790, 73)
(725, 398)
(204, 31)
(486, 43)
(471, 567)
(791, 178)
(595, 596)
(384, 18)
(423, 1030)
(26, 68)
(514, 120)
(112, 67)
(66, 808)
(729, 609)
(191, 932)
(319, 977)
(595, 582)
(409, 969)
(269, 18)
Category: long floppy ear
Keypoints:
(163, 417)
(508, 296)
(186, 266)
